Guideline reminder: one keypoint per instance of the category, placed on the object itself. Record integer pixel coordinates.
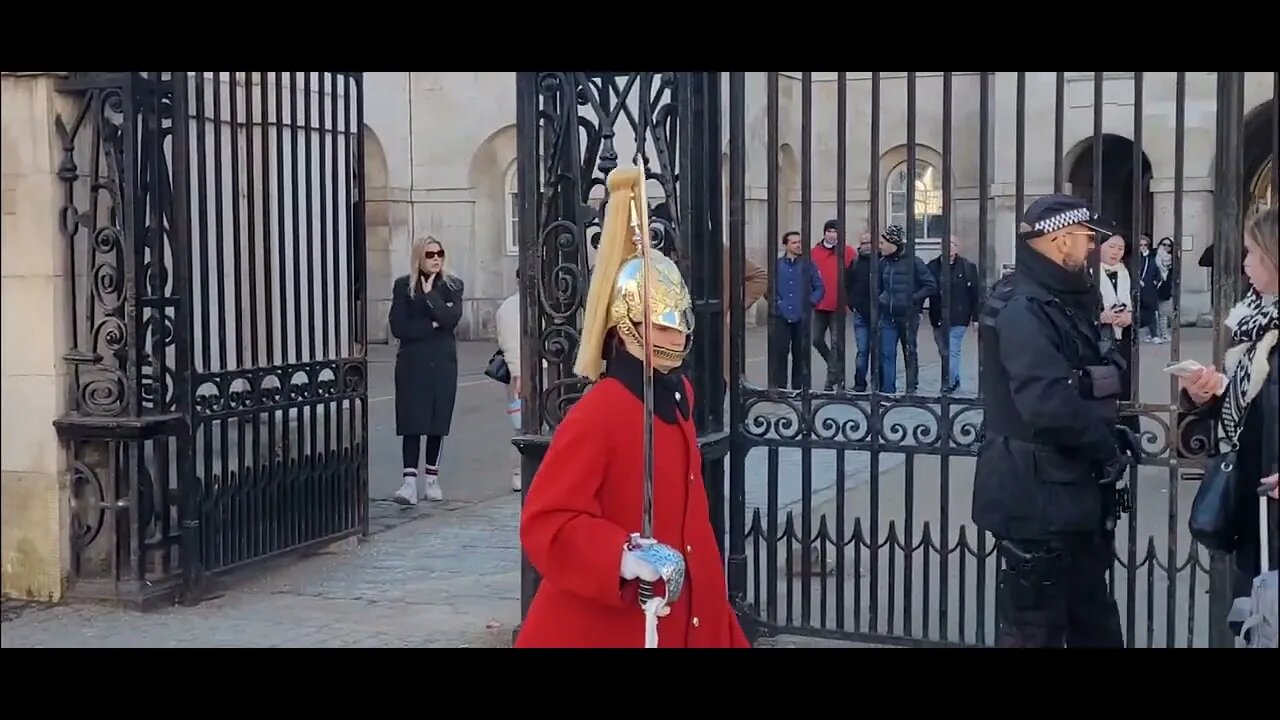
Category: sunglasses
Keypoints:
(432, 254)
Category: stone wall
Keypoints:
(33, 337)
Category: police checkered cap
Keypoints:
(1052, 213)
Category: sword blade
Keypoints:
(646, 518)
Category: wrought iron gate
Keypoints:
(856, 503)
(217, 409)
(844, 512)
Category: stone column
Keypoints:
(33, 337)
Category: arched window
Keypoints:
(928, 203)
(512, 205)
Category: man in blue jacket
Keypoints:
(905, 283)
(794, 278)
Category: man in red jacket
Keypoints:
(585, 505)
(823, 256)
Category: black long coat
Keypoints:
(426, 371)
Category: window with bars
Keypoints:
(928, 203)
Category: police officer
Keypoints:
(1050, 445)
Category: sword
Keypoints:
(646, 517)
(665, 560)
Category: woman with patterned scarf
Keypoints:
(1243, 397)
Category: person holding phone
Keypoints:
(426, 306)
(1115, 286)
(1244, 397)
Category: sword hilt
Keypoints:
(669, 563)
(646, 592)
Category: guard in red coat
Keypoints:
(581, 517)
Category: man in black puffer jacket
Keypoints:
(964, 297)
(905, 283)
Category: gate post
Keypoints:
(188, 485)
(125, 386)
(700, 252)
(553, 182)
(1228, 221)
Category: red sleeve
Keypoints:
(561, 528)
(849, 255)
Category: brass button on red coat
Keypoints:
(695, 622)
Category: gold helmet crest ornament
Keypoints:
(615, 299)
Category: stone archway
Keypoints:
(379, 264)
(1117, 183)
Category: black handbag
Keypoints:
(497, 368)
(1213, 509)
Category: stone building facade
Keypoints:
(446, 152)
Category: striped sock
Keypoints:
(432, 471)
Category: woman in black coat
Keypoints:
(1148, 292)
(1246, 405)
(426, 306)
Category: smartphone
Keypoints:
(1184, 368)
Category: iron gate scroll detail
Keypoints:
(218, 407)
(858, 511)
(573, 128)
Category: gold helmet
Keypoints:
(615, 299)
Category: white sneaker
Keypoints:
(408, 492)
(431, 488)
(515, 481)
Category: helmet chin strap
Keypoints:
(665, 359)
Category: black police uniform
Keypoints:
(1050, 388)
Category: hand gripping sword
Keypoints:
(669, 563)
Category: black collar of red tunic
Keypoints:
(669, 395)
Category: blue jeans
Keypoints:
(862, 337)
(895, 331)
(957, 342)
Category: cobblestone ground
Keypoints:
(451, 579)
(801, 641)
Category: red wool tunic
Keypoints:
(581, 509)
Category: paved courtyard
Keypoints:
(448, 580)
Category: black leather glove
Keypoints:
(1128, 443)
(1129, 449)
(1111, 472)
